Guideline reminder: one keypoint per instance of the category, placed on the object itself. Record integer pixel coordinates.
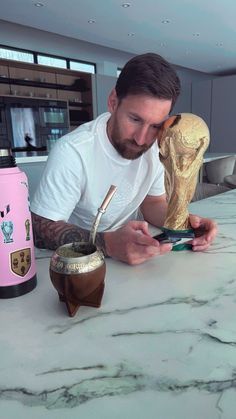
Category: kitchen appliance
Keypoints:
(3, 124)
(17, 261)
(2, 118)
(29, 123)
(78, 116)
(53, 114)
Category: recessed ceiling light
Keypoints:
(91, 21)
(38, 4)
(165, 21)
(125, 5)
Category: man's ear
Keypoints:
(112, 101)
(168, 123)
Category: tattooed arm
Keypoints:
(130, 243)
(50, 234)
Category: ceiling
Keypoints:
(197, 34)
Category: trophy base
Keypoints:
(184, 237)
(179, 238)
(12, 291)
(181, 246)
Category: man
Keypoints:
(118, 148)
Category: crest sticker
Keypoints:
(21, 261)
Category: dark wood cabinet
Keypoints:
(4, 80)
(32, 80)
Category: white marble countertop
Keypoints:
(162, 345)
(31, 157)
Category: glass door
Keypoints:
(54, 116)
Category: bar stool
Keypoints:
(230, 181)
(205, 190)
(217, 170)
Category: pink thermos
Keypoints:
(17, 261)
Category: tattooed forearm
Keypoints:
(100, 242)
(50, 234)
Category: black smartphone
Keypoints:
(174, 236)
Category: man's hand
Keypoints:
(133, 244)
(207, 229)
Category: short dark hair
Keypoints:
(148, 74)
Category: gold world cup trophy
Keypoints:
(182, 141)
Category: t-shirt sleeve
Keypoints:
(60, 187)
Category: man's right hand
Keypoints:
(133, 243)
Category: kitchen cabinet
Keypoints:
(215, 101)
(183, 103)
(77, 89)
(33, 80)
(223, 113)
(4, 76)
(4, 71)
(201, 100)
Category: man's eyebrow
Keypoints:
(158, 124)
(135, 115)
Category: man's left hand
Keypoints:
(208, 230)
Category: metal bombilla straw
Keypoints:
(101, 211)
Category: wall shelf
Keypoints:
(24, 80)
(78, 104)
(78, 86)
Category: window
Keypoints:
(26, 56)
(87, 68)
(51, 61)
(17, 55)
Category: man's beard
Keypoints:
(127, 148)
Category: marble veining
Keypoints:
(162, 345)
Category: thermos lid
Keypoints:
(5, 152)
(6, 158)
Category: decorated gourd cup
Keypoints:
(77, 271)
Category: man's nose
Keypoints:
(141, 136)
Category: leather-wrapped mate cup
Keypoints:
(77, 271)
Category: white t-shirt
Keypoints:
(80, 169)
